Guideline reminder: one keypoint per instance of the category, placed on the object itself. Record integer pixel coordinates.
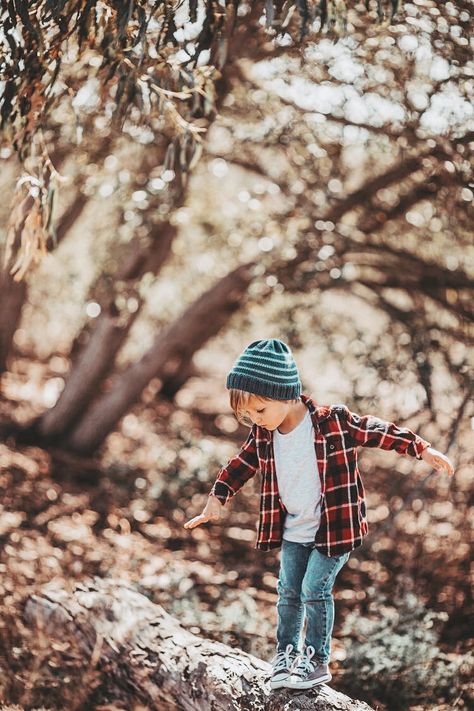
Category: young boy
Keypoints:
(312, 502)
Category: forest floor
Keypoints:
(402, 600)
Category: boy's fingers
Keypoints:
(445, 466)
(196, 521)
(202, 518)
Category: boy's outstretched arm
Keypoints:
(371, 431)
(229, 480)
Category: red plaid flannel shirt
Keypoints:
(337, 434)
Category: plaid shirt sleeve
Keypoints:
(237, 471)
(370, 431)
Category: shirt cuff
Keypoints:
(221, 491)
(420, 445)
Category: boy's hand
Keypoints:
(437, 460)
(211, 512)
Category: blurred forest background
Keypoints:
(177, 183)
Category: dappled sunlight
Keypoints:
(190, 179)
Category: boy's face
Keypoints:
(267, 413)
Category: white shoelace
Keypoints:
(304, 664)
(282, 660)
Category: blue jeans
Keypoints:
(306, 581)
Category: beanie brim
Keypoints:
(274, 391)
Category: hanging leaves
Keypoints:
(133, 61)
(144, 32)
(29, 226)
(331, 14)
(129, 38)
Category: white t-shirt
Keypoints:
(298, 480)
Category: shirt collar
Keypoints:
(318, 414)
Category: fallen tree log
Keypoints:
(136, 656)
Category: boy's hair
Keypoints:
(239, 399)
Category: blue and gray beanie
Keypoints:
(266, 368)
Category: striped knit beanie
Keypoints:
(266, 368)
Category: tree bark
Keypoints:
(12, 293)
(141, 656)
(171, 350)
(12, 298)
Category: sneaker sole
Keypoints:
(284, 683)
(308, 684)
(279, 680)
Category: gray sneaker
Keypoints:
(308, 673)
(282, 664)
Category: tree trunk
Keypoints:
(171, 350)
(173, 384)
(12, 298)
(97, 357)
(139, 657)
(13, 294)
